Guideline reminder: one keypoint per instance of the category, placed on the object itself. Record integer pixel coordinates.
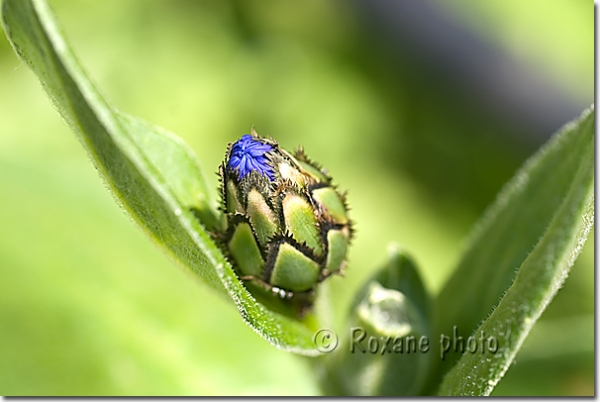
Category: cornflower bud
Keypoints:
(287, 226)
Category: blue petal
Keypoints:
(250, 154)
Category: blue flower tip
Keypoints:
(249, 154)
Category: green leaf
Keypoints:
(538, 224)
(152, 173)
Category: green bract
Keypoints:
(287, 226)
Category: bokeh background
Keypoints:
(420, 109)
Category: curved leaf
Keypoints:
(562, 176)
(152, 173)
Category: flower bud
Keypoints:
(287, 226)
(387, 349)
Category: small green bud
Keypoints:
(287, 226)
(387, 349)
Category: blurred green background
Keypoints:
(421, 110)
